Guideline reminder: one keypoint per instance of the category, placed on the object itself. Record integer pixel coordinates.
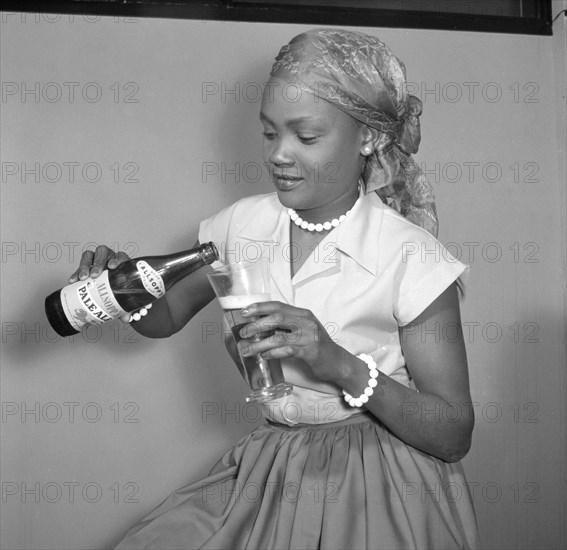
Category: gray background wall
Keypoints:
(99, 430)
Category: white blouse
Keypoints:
(370, 275)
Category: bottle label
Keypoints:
(90, 302)
(151, 279)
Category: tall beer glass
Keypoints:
(237, 286)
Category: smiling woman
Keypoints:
(301, 138)
(344, 460)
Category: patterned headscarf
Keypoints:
(358, 74)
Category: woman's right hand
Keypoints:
(171, 312)
(94, 263)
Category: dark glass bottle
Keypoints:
(115, 292)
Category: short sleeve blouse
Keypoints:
(369, 276)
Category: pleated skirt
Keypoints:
(344, 485)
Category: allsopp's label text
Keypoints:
(151, 279)
(90, 302)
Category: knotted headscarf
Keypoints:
(358, 74)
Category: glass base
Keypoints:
(270, 393)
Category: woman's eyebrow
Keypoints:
(295, 121)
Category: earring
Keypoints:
(367, 150)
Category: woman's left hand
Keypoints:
(298, 334)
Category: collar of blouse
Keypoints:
(269, 228)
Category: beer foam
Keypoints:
(242, 300)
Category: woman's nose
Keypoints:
(279, 153)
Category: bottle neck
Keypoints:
(179, 265)
(209, 253)
(205, 254)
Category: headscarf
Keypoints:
(358, 74)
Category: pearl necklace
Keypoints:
(300, 222)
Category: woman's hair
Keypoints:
(359, 75)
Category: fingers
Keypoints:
(274, 315)
(261, 337)
(93, 263)
(296, 330)
(84, 267)
(101, 257)
(263, 324)
(267, 308)
(117, 259)
(266, 346)
(293, 325)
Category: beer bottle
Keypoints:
(116, 292)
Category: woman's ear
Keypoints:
(370, 137)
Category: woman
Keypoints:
(365, 452)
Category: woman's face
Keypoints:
(313, 149)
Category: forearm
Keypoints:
(423, 420)
(157, 323)
(173, 311)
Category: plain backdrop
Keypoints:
(129, 133)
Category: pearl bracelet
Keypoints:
(372, 383)
(140, 313)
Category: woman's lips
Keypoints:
(287, 183)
